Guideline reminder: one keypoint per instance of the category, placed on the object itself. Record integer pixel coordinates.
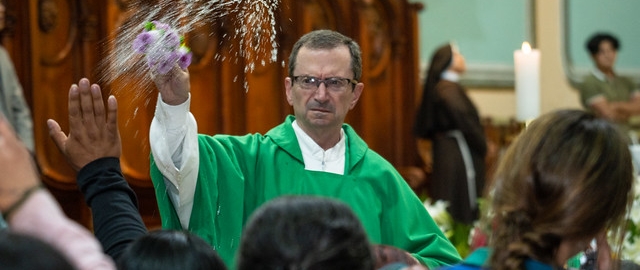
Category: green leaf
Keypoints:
(148, 26)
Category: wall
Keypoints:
(485, 31)
(619, 18)
(556, 92)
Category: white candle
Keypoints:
(527, 86)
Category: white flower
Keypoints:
(631, 245)
(438, 212)
(631, 251)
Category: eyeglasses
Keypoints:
(336, 84)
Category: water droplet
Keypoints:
(125, 70)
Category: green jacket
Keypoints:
(237, 174)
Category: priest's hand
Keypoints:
(174, 86)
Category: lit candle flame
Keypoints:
(526, 48)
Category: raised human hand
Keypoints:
(173, 86)
(93, 132)
(17, 168)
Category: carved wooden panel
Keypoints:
(63, 38)
(69, 38)
(16, 40)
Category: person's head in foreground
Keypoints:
(170, 249)
(563, 182)
(25, 252)
(302, 232)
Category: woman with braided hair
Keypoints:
(566, 180)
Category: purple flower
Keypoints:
(151, 61)
(171, 40)
(167, 62)
(184, 59)
(161, 25)
(163, 47)
(144, 40)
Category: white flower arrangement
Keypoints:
(458, 233)
(438, 212)
(631, 245)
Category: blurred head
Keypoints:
(441, 60)
(565, 179)
(603, 48)
(23, 252)
(169, 249)
(458, 63)
(323, 54)
(311, 233)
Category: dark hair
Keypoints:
(568, 176)
(24, 252)
(593, 43)
(304, 233)
(170, 249)
(326, 40)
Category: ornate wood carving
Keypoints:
(378, 37)
(88, 22)
(48, 18)
(226, 97)
(317, 14)
(53, 16)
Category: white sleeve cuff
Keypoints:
(174, 145)
(174, 116)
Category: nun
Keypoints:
(450, 120)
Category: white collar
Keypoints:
(318, 159)
(450, 75)
(599, 75)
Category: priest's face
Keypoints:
(322, 106)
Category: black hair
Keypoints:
(304, 232)
(24, 252)
(593, 43)
(170, 249)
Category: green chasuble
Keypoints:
(237, 174)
